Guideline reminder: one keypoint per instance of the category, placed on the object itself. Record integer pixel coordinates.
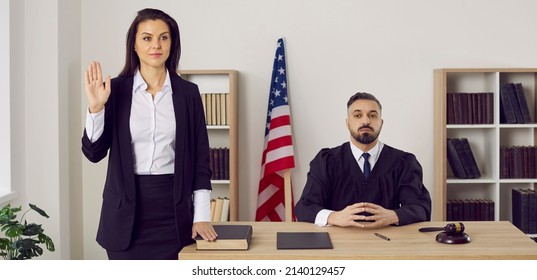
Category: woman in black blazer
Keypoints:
(151, 124)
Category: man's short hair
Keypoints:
(363, 95)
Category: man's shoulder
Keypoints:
(333, 153)
(395, 153)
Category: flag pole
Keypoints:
(288, 196)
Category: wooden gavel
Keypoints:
(449, 229)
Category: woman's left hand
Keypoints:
(205, 230)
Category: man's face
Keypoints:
(364, 121)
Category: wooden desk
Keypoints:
(489, 240)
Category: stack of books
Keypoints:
(461, 159)
(524, 210)
(216, 107)
(513, 104)
(518, 162)
(470, 210)
(469, 108)
(220, 209)
(219, 163)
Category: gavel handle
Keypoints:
(429, 229)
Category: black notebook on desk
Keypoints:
(303, 240)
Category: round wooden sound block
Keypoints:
(461, 238)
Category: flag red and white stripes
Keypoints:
(278, 152)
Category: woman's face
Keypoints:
(152, 44)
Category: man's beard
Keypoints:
(367, 137)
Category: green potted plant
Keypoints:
(22, 240)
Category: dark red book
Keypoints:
(522, 103)
(472, 164)
(532, 224)
(449, 108)
(489, 108)
(531, 162)
(226, 163)
(507, 112)
(454, 159)
(514, 102)
(457, 108)
(217, 174)
(212, 163)
(221, 163)
(520, 209)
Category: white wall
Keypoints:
(5, 116)
(45, 67)
(334, 48)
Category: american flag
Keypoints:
(278, 152)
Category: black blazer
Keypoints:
(192, 170)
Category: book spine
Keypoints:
(506, 108)
(489, 107)
(523, 103)
(471, 159)
(532, 224)
(465, 160)
(225, 210)
(520, 209)
(218, 209)
(449, 106)
(454, 160)
(226, 162)
(514, 103)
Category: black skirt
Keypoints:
(154, 235)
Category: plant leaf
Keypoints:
(38, 210)
(32, 229)
(43, 238)
(13, 230)
(25, 244)
(4, 243)
(7, 214)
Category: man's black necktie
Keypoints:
(367, 166)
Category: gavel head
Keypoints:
(454, 228)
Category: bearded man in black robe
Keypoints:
(364, 183)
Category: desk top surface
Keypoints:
(489, 240)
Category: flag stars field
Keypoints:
(278, 154)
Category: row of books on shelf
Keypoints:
(513, 104)
(470, 108)
(216, 107)
(219, 163)
(220, 209)
(461, 159)
(518, 162)
(470, 210)
(524, 210)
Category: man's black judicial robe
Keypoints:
(335, 181)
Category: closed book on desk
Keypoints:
(303, 240)
(230, 237)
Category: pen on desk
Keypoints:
(382, 236)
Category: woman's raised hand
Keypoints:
(96, 92)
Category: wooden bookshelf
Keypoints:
(485, 139)
(222, 82)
